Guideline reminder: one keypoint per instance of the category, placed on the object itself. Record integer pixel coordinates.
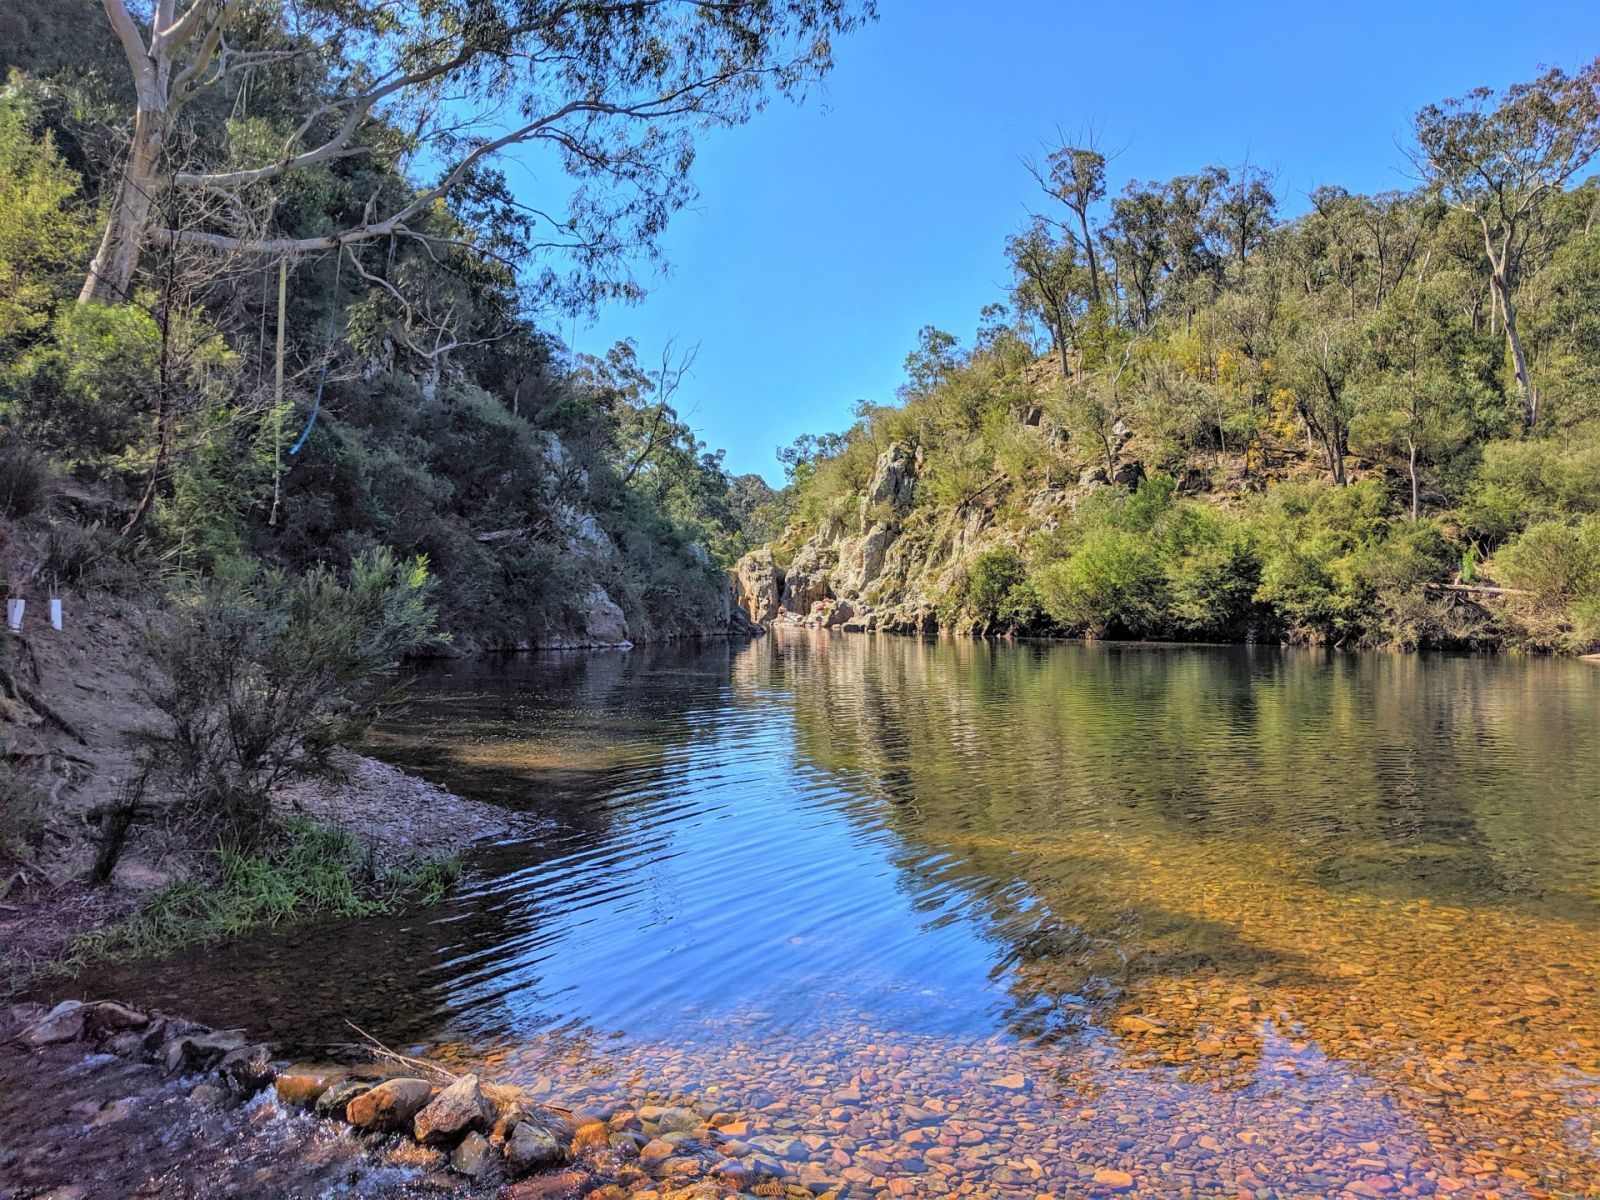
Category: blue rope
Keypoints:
(327, 354)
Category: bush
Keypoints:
(259, 683)
(1112, 583)
(996, 592)
(1558, 562)
(93, 558)
(26, 482)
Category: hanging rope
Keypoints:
(277, 394)
(327, 355)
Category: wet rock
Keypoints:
(1117, 1181)
(63, 1023)
(127, 1044)
(532, 1148)
(1015, 1082)
(667, 1120)
(390, 1105)
(108, 1017)
(458, 1109)
(548, 1187)
(201, 1051)
(299, 1087)
(792, 1149)
(656, 1150)
(474, 1157)
(208, 1095)
(335, 1099)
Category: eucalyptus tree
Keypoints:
(1134, 239)
(1076, 176)
(1499, 158)
(1046, 284)
(613, 91)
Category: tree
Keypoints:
(1321, 356)
(1414, 394)
(1498, 158)
(1046, 273)
(614, 92)
(1076, 176)
(1239, 211)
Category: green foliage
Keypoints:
(995, 593)
(259, 682)
(1112, 582)
(303, 871)
(1533, 479)
(26, 481)
(44, 232)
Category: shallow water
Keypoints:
(1024, 920)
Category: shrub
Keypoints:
(1556, 561)
(260, 682)
(26, 482)
(1113, 582)
(996, 591)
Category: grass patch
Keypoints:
(307, 871)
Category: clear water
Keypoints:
(1217, 920)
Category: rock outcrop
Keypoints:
(895, 567)
(757, 584)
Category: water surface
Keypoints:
(1010, 920)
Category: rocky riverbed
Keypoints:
(102, 1100)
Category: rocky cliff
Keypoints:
(889, 565)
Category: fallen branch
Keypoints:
(1475, 589)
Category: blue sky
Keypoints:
(825, 235)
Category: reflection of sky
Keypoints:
(730, 880)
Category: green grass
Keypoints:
(308, 871)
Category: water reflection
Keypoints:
(1358, 894)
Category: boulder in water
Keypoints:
(389, 1106)
(457, 1110)
(531, 1148)
(474, 1157)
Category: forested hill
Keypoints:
(1374, 422)
(163, 192)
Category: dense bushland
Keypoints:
(1196, 418)
(276, 368)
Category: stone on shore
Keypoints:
(63, 1023)
(457, 1110)
(390, 1106)
(530, 1148)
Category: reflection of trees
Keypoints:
(550, 734)
(1053, 792)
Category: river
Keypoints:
(1008, 919)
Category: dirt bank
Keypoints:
(70, 701)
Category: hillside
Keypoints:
(1376, 422)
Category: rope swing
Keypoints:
(277, 389)
(327, 355)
